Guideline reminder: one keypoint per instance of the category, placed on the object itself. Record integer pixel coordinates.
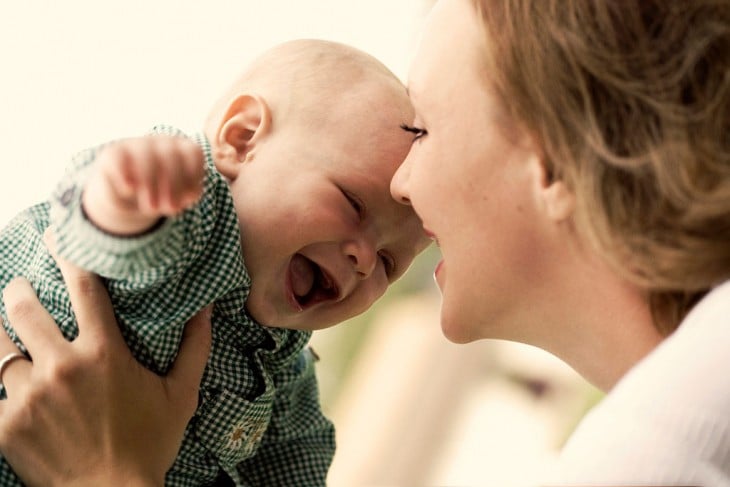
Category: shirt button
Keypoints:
(67, 196)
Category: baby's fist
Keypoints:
(157, 175)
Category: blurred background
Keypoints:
(411, 409)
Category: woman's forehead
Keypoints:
(449, 47)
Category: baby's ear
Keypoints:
(247, 120)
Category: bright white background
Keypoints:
(80, 72)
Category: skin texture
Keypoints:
(513, 265)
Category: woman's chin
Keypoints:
(453, 329)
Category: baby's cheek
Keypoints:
(359, 301)
(375, 290)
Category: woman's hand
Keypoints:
(85, 412)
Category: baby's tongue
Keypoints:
(302, 275)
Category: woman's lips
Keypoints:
(439, 274)
(440, 270)
(431, 235)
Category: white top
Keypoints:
(667, 422)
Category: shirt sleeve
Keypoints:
(141, 260)
(299, 444)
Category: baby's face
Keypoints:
(322, 237)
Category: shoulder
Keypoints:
(666, 421)
(689, 359)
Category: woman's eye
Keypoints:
(355, 203)
(388, 262)
(418, 132)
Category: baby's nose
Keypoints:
(362, 255)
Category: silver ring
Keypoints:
(6, 360)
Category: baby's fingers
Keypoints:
(181, 175)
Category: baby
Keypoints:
(279, 213)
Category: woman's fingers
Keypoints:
(34, 326)
(14, 373)
(6, 344)
(89, 300)
(75, 413)
(186, 373)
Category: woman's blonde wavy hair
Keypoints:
(630, 102)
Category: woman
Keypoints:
(571, 159)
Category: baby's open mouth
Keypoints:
(310, 283)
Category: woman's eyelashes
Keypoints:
(418, 132)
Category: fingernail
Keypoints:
(208, 312)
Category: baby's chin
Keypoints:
(263, 315)
(300, 321)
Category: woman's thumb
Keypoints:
(186, 373)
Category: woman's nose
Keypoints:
(362, 255)
(399, 183)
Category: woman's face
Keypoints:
(475, 182)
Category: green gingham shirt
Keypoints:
(258, 418)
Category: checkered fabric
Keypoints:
(259, 418)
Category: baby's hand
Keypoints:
(155, 175)
(137, 181)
